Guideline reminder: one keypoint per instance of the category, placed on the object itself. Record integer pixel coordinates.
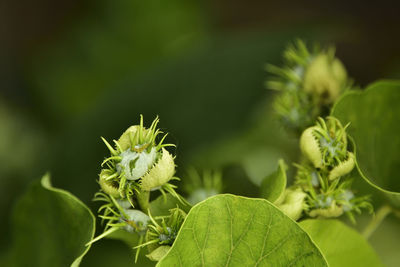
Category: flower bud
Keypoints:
(125, 140)
(109, 187)
(163, 230)
(136, 220)
(293, 203)
(325, 78)
(309, 146)
(332, 211)
(325, 145)
(343, 168)
(160, 173)
(135, 164)
(202, 185)
(138, 160)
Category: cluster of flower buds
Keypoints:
(138, 164)
(309, 83)
(325, 176)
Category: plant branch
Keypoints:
(383, 211)
(143, 200)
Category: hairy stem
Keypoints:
(143, 200)
(381, 214)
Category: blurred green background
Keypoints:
(72, 71)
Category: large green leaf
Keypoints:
(228, 230)
(273, 186)
(341, 245)
(374, 115)
(51, 227)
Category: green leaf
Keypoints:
(273, 186)
(228, 230)
(260, 162)
(341, 245)
(50, 227)
(374, 115)
(161, 206)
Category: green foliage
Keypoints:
(51, 227)
(227, 229)
(374, 115)
(341, 245)
(273, 186)
(236, 231)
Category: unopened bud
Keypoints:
(293, 203)
(325, 78)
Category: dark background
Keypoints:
(72, 71)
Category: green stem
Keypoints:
(383, 211)
(396, 212)
(143, 200)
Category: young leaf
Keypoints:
(50, 227)
(341, 245)
(273, 186)
(158, 253)
(228, 230)
(374, 115)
